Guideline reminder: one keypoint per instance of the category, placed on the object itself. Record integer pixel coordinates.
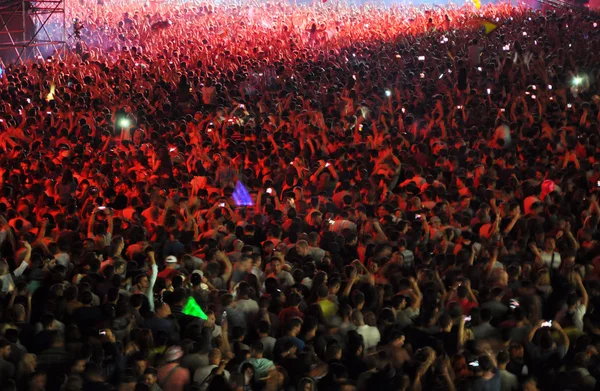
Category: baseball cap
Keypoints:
(170, 259)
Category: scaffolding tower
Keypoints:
(30, 29)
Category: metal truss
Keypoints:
(32, 28)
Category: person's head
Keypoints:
(257, 349)
(549, 244)
(37, 381)
(397, 339)
(150, 376)
(485, 364)
(243, 290)
(140, 364)
(276, 265)
(142, 282)
(358, 299)
(293, 326)
(322, 292)
(445, 322)
(302, 248)
(358, 318)
(244, 264)
(214, 357)
(162, 309)
(294, 300)
(503, 358)
(4, 349)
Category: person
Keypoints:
(151, 379)
(489, 376)
(508, 381)
(216, 366)
(172, 376)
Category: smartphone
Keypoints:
(421, 58)
(547, 324)
(101, 207)
(459, 107)
(291, 163)
(222, 205)
(549, 86)
(223, 318)
(479, 69)
(417, 217)
(422, 76)
(360, 127)
(331, 222)
(102, 332)
(474, 364)
(533, 97)
(48, 112)
(269, 190)
(502, 110)
(327, 164)
(569, 105)
(514, 304)
(171, 149)
(489, 91)
(598, 184)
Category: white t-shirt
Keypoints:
(547, 259)
(370, 335)
(202, 374)
(578, 315)
(247, 306)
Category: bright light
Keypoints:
(388, 93)
(124, 122)
(577, 80)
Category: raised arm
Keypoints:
(91, 223)
(152, 280)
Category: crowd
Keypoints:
(357, 198)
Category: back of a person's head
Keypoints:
(445, 321)
(322, 291)
(264, 327)
(258, 347)
(291, 324)
(485, 363)
(87, 298)
(503, 357)
(486, 314)
(243, 289)
(294, 299)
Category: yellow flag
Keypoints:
(50, 96)
(489, 26)
(477, 3)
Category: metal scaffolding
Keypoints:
(30, 29)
